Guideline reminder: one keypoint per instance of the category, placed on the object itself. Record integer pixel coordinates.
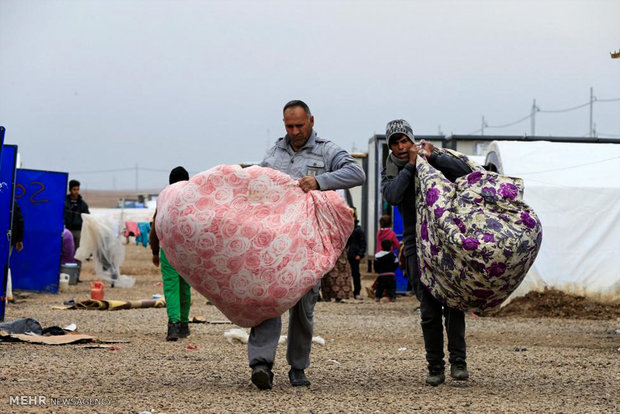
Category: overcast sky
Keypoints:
(90, 85)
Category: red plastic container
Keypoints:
(96, 290)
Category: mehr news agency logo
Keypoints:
(42, 400)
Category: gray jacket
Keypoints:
(332, 166)
(400, 191)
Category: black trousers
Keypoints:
(389, 284)
(433, 313)
(355, 273)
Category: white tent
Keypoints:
(575, 190)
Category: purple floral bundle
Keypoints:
(476, 237)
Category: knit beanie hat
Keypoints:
(398, 126)
(178, 174)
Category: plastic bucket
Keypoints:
(72, 270)
(96, 290)
(63, 281)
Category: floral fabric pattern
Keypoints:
(477, 238)
(250, 240)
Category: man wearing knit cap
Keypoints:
(398, 188)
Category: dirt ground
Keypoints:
(543, 353)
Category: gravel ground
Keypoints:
(373, 361)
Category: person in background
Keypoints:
(176, 290)
(357, 250)
(17, 228)
(317, 164)
(17, 243)
(398, 188)
(385, 232)
(385, 265)
(336, 284)
(75, 206)
(67, 251)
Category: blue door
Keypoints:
(41, 197)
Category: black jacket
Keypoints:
(400, 191)
(73, 220)
(17, 226)
(357, 242)
(385, 262)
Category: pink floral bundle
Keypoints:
(250, 240)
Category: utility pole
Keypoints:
(482, 127)
(136, 178)
(533, 119)
(591, 102)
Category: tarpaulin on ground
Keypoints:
(8, 159)
(251, 240)
(112, 305)
(41, 198)
(476, 237)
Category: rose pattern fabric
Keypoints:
(250, 240)
(477, 238)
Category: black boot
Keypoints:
(184, 330)
(297, 377)
(262, 377)
(435, 376)
(458, 371)
(174, 329)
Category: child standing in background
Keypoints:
(386, 264)
(385, 232)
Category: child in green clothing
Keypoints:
(176, 290)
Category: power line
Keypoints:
(607, 100)
(562, 110)
(536, 108)
(511, 123)
(475, 132)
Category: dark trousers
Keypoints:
(264, 337)
(389, 284)
(433, 313)
(355, 274)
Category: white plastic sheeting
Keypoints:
(100, 237)
(575, 190)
